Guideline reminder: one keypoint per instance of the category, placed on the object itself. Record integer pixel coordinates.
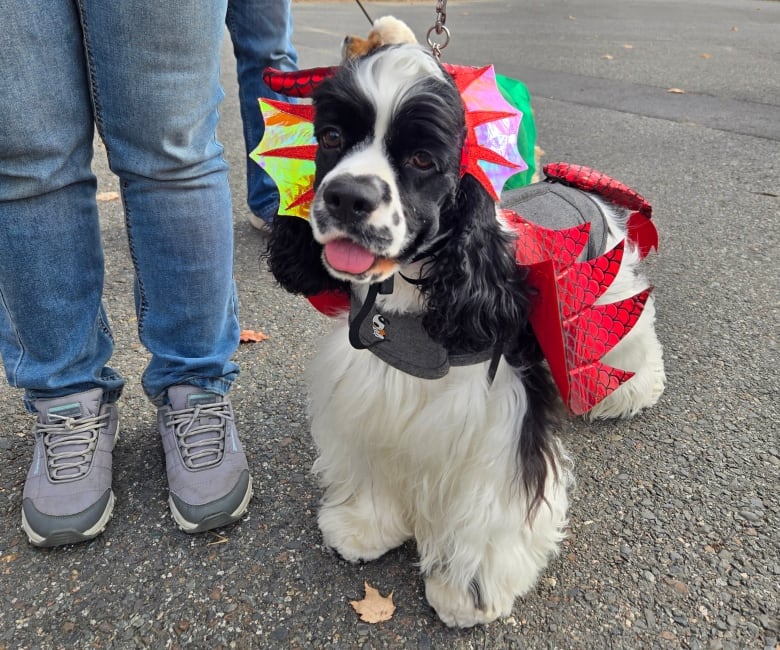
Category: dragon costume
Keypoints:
(561, 230)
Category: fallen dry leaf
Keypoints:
(107, 196)
(374, 608)
(220, 539)
(676, 91)
(251, 336)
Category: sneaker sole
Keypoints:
(217, 520)
(70, 535)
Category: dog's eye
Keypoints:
(421, 160)
(329, 138)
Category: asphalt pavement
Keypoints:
(674, 532)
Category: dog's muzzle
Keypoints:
(353, 217)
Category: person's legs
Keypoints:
(156, 102)
(156, 108)
(54, 335)
(261, 31)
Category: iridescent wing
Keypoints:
(490, 151)
(287, 153)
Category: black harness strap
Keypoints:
(385, 287)
(494, 361)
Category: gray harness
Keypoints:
(400, 340)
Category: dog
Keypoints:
(432, 409)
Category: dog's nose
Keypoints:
(350, 199)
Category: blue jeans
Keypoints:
(146, 74)
(261, 31)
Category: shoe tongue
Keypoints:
(187, 397)
(56, 412)
(208, 439)
(71, 406)
(199, 399)
(70, 410)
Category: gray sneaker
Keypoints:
(67, 497)
(208, 476)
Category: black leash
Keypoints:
(365, 13)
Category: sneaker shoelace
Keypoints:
(70, 444)
(200, 433)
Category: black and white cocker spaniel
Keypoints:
(432, 409)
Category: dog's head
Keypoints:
(390, 129)
(389, 192)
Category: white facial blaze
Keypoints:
(371, 160)
(387, 79)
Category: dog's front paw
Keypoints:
(456, 607)
(358, 535)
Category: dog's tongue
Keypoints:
(349, 257)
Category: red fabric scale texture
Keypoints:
(573, 331)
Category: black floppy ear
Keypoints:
(475, 292)
(477, 297)
(295, 258)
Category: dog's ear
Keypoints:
(295, 258)
(475, 292)
(478, 297)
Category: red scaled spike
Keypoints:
(641, 230)
(592, 384)
(300, 83)
(536, 243)
(596, 330)
(583, 283)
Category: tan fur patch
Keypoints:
(386, 30)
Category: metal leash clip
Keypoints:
(440, 28)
